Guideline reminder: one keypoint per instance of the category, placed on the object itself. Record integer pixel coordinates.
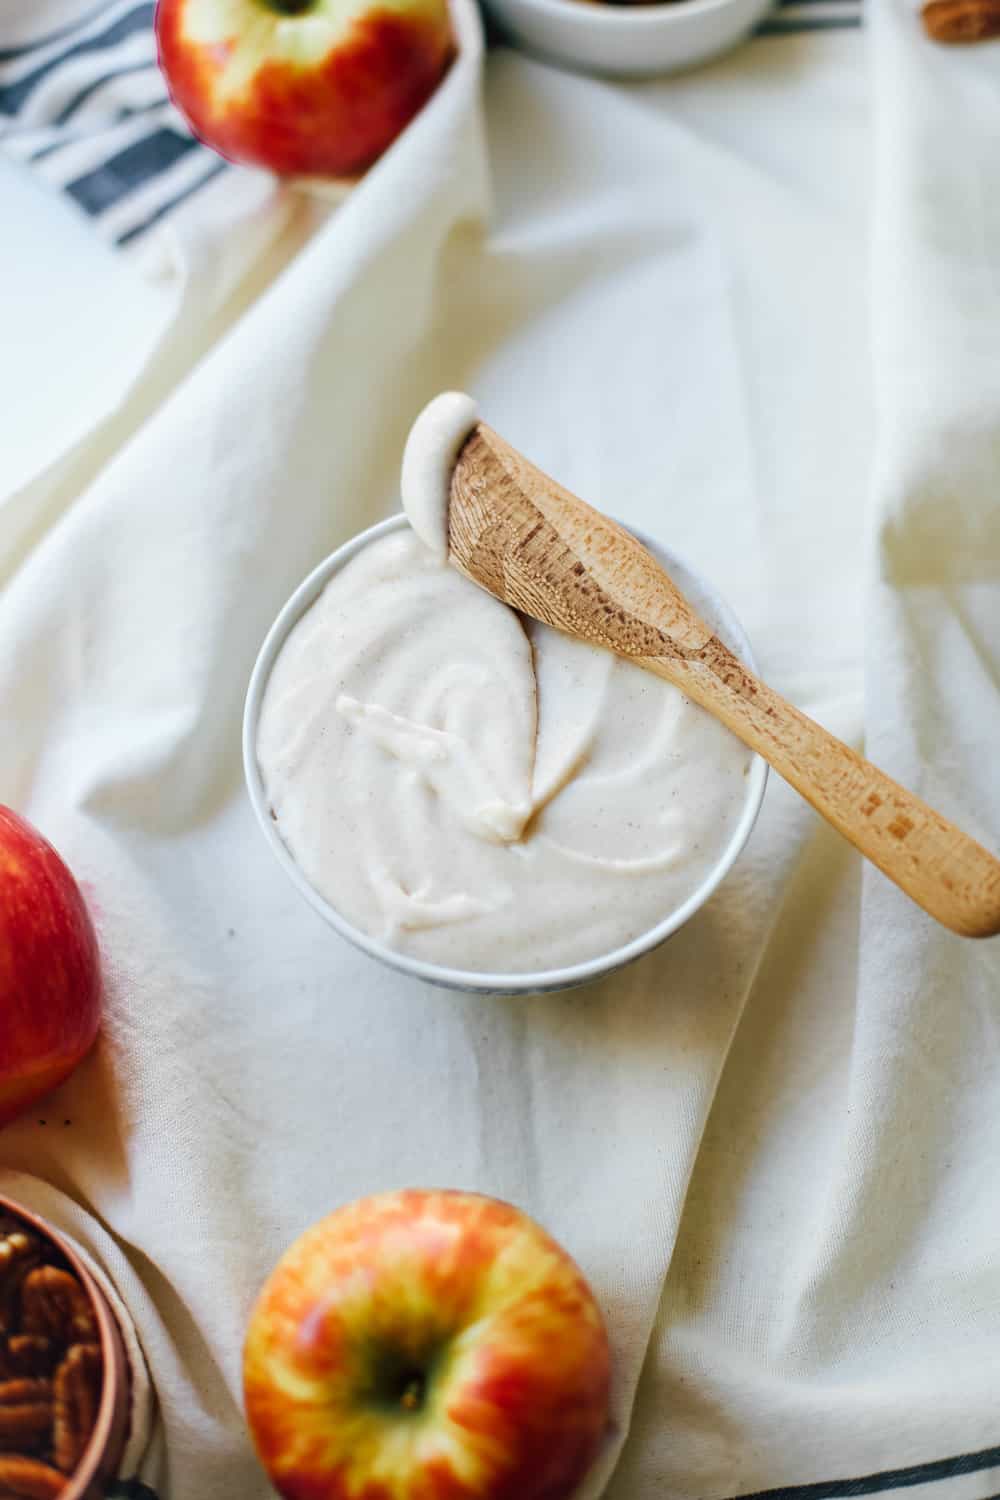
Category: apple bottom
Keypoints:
(426, 1346)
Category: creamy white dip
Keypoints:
(434, 443)
(476, 790)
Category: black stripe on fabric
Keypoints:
(799, 28)
(141, 19)
(120, 175)
(44, 151)
(889, 1479)
(98, 83)
(73, 138)
(11, 54)
(171, 204)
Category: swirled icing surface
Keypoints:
(476, 790)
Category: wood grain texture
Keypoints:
(528, 541)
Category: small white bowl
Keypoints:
(628, 40)
(711, 607)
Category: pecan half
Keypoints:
(55, 1305)
(77, 1395)
(47, 1324)
(26, 1414)
(958, 21)
(29, 1478)
(19, 1252)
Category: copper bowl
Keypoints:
(102, 1455)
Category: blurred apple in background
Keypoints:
(50, 977)
(303, 87)
(426, 1346)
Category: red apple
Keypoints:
(426, 1346)
(50, 976)
(304, 87)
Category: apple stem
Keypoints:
(412, 1397)
(289, 7)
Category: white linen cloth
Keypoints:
(772, 1144)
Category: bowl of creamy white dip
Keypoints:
(473, 798)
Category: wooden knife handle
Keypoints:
(941, 868)
(533, 544)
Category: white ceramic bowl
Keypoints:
(628, 40)
(712, 608)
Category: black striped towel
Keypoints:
(82, 101)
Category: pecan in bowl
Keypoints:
(63, 1375)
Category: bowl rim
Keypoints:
(106, 1443)
(606, 15)
(472, 980)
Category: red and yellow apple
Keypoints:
(304, 87)
(426, 1346)
(50, 974)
